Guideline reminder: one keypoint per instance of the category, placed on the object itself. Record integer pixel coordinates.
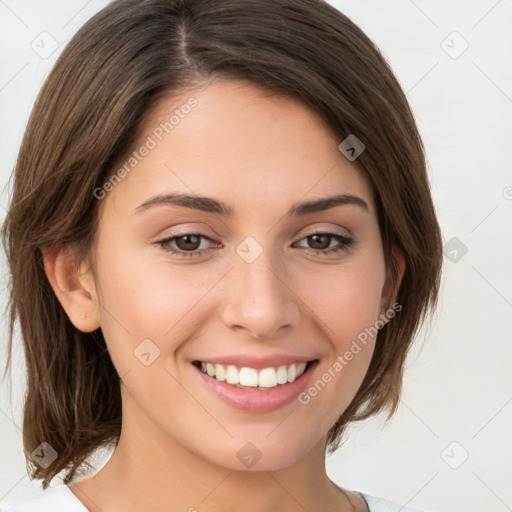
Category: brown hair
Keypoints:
(85, 119)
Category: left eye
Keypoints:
(189, 243)
(344, 242)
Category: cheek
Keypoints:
(346, 301)
(145, 298)
(346, 306)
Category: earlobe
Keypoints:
(73, 284)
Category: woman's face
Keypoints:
(253, 289)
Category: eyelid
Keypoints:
(330, 230)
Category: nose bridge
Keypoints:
(259, 298)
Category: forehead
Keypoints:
(236, 141)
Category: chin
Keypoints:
(257, 453)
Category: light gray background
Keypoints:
(457, 390)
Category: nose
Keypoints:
(259, 297)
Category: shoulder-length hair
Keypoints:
(117, 66)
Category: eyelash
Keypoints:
(346, 242)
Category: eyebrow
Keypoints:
(210, 205)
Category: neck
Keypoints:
(152, 472)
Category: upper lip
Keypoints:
(258, 363)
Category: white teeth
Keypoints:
(292, 372)
(250, 377)
(232, 375)
(282, 375)
(267, 378)
(220, 372)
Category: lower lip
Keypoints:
(256, 400)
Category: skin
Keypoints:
(260, 154)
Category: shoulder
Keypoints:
(53, 499)
(376, 504)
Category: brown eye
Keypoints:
(188, 242)
(320, 243)
(186, 245)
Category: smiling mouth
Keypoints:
(251, 378)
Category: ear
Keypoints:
(390, 289)
(74, 287)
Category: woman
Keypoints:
(221, 243)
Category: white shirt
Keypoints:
(61, 499)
